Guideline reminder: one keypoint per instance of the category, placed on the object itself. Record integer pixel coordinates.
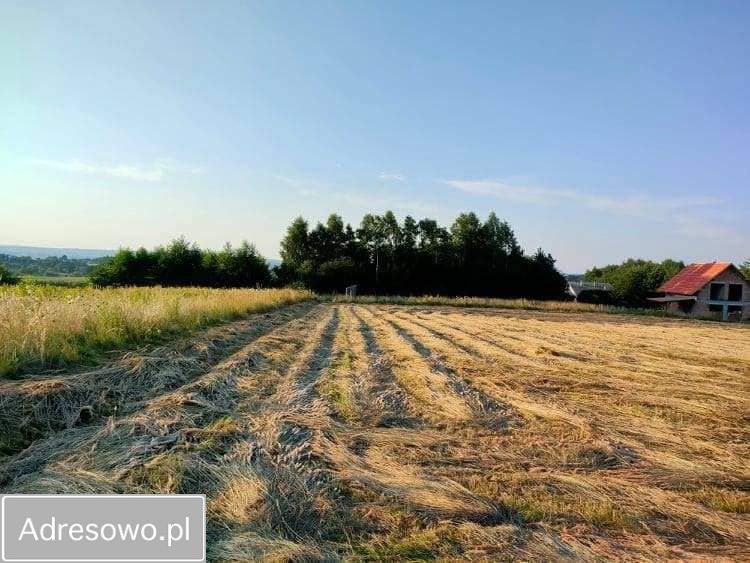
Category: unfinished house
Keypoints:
(713, 289)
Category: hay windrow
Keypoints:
(32, 408)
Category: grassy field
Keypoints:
(512, 304)
(382, 432)
(45, 326)
(66, 281)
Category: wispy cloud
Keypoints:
(307, 192)
(154, 172)
(511, 192)
(630, 204)
(392, 176)
(693, 227)
(635, 205)
(371, 201)
(289, 181)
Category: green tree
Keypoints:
(468, 237)
(181, 263)
(118, 270)
(336, 233)
(634, 280)
(745, 269)
(252, 266)
(409, 234)
(6, 277)
(295, 247)
(417, 257)
(371, 234)
(391, 230)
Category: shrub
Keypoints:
(183, 264)
(6, 276)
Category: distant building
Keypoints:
(590, 292)
(713, 289)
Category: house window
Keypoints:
(735, 292)
(716, 308)
(716, 291)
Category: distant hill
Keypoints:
(50, 266)
(46, 252)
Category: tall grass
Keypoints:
(44, 326)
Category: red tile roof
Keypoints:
(692, 278)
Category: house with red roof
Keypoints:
(711, 289)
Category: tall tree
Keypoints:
(295, 247)
(418, 257)
(409, 234)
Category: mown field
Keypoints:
(380, 432)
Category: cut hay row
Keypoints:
(485, 409)
(32, 408)
(430, 390)
(382, 402)
(344, 383)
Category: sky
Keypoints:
(599, 130)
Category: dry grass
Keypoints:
(381, 432)
(44, 326)
(509, 304)
(485, 302)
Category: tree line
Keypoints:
(181, 263)
(384, 256)
(49, 265)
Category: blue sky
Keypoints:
(600, 130)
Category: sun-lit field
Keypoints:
(48, 326)
(480, 302)
(383, 432)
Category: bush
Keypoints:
(6, 276)
(183, 264)
(634, 280)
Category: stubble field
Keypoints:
(381, 432)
